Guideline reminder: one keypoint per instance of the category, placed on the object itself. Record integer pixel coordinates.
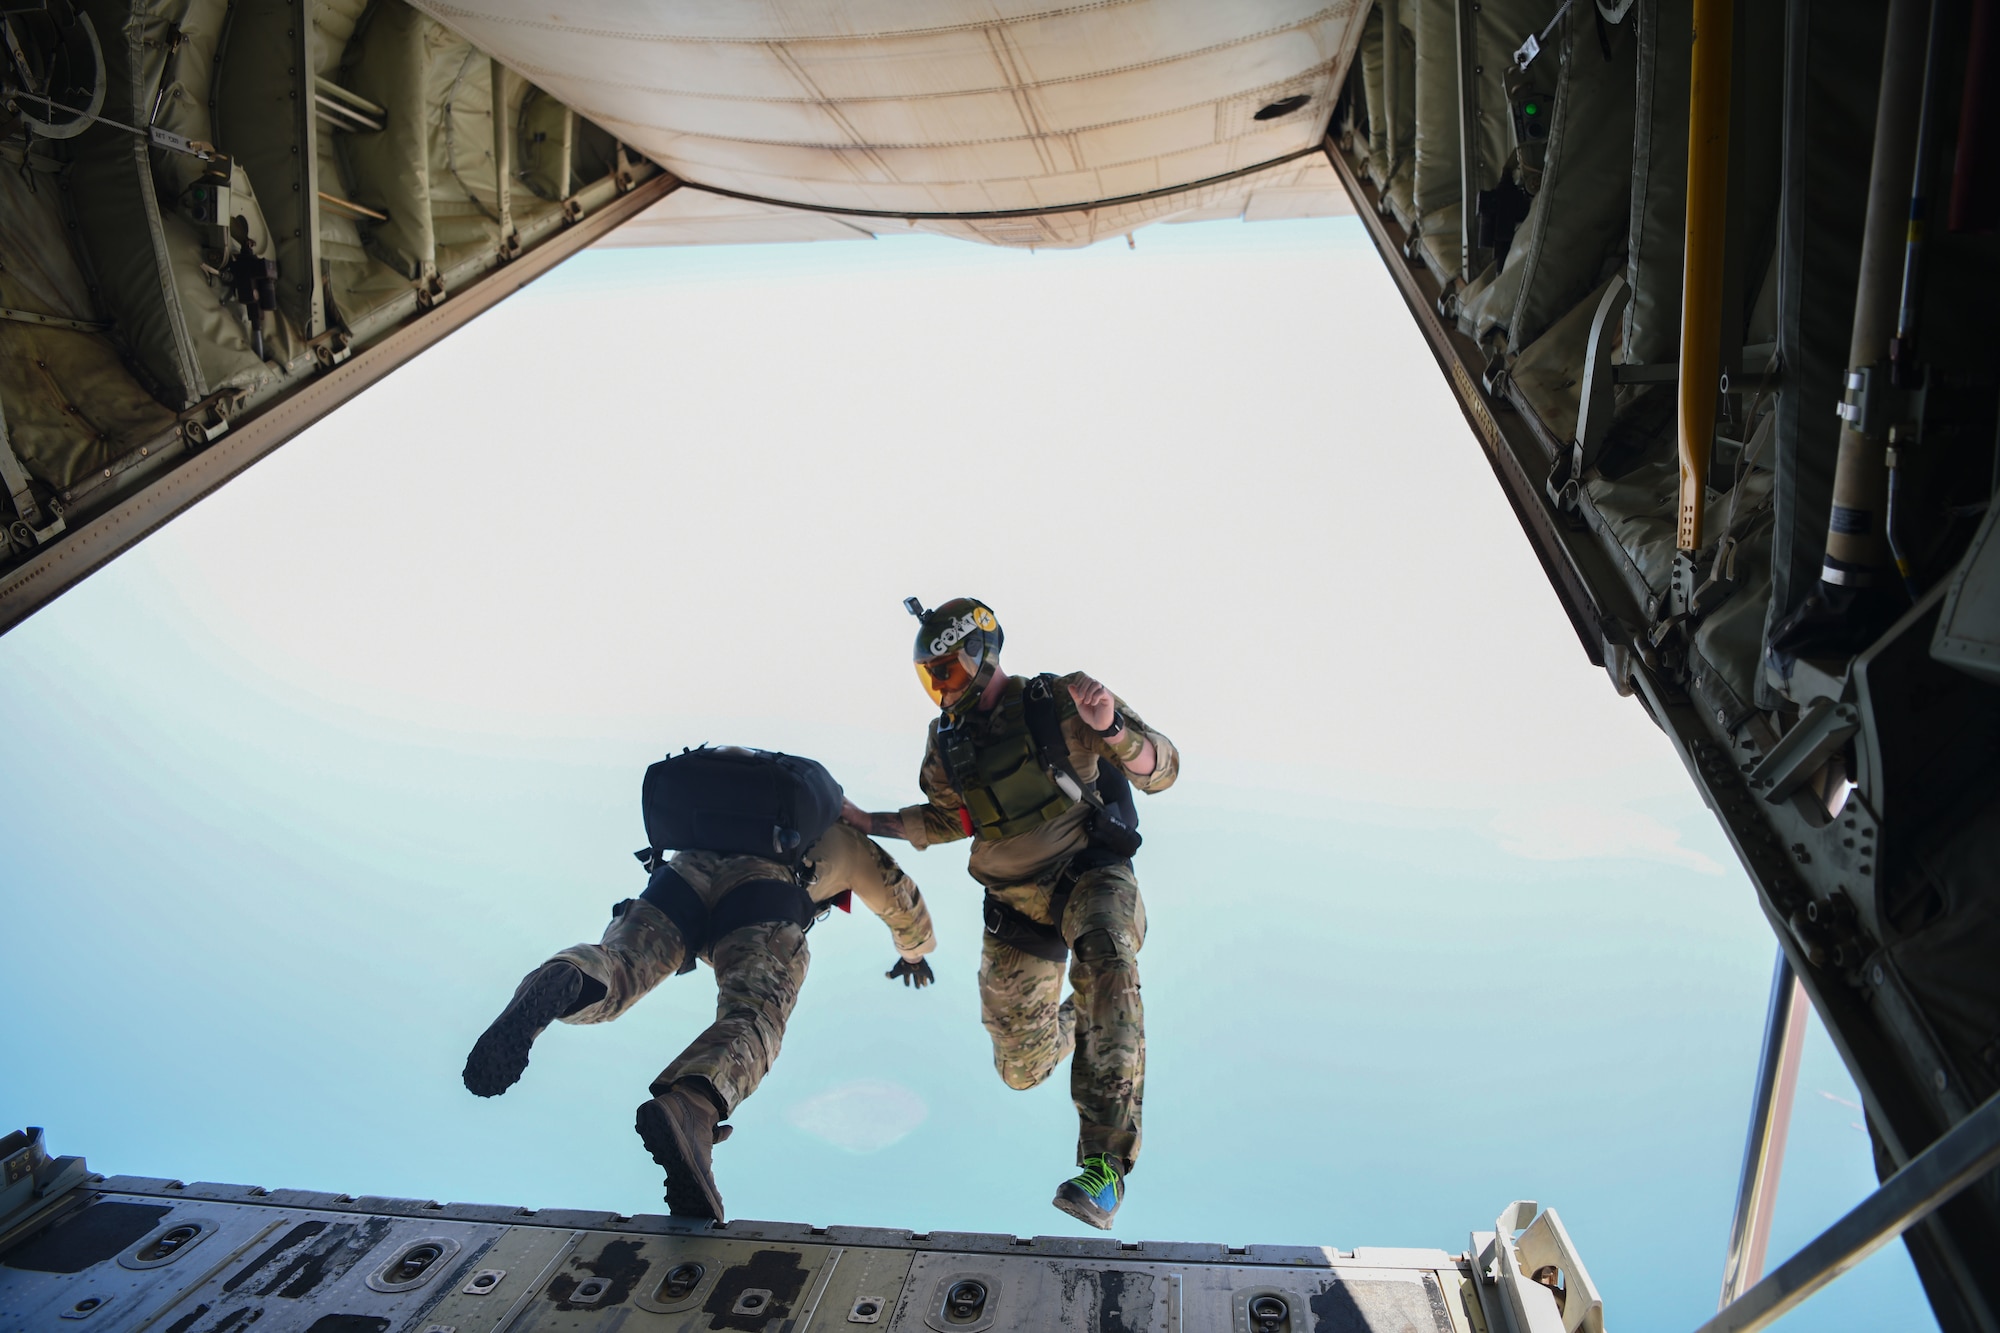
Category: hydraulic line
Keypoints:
(1856, 549)
(1892, 527)
(1701, 280)
(1903, 369)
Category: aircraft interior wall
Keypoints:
(1877, 856)
(210, 205)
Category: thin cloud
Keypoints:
(864, 1116)
(1575, 831)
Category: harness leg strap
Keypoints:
(682, 906)
(1017, 930)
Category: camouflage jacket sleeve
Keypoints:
(846, 859)
(940, 818)
(896, 900)
(1166, 759)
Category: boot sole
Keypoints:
(691, 1192)
(501, 1054)
(1077, 1205)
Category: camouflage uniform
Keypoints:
(758, 968)
(1103, 923)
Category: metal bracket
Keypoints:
(1823, 729)
(28, 529)
(1625, 655)
(331, 348)
(1512, 1264)
(208, 420)
(1596, 399)
(1596, 402)
(54, 321)
(1871, 404)
(430, 290)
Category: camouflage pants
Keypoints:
(1103, 1020)
(758, 971)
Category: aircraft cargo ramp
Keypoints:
(133, 1254)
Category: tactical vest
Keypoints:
(997, 770)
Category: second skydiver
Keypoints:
(1035, 769)
(745, 912)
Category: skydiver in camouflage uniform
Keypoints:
(1035, 769)
(746, 916)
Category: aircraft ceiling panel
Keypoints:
(983, 105)
(947, 107)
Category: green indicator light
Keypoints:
(1532, 109)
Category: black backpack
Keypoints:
(747, 802)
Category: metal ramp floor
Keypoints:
(131, 1254)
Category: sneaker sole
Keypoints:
(1074, 1202)
(501, 1054)
(688, 1194)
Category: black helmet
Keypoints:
(958, 647)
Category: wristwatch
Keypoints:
(1117, 725)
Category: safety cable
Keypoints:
(160, 138)
(999, 214)
(1532, 47)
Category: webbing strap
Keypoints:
(682, 906)
(1044, 717)
(1017, 930)
(1114, 823)
(759, 900)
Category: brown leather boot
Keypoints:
(679, 1127)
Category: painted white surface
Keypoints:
(946, 106)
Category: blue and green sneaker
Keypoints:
(1093, 1194)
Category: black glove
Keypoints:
(916, 974)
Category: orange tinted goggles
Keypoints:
(945, 678)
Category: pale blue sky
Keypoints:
(298, 789)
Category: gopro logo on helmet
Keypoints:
(955, 631)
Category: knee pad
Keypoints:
(1019, 1079)
(1102, 948)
